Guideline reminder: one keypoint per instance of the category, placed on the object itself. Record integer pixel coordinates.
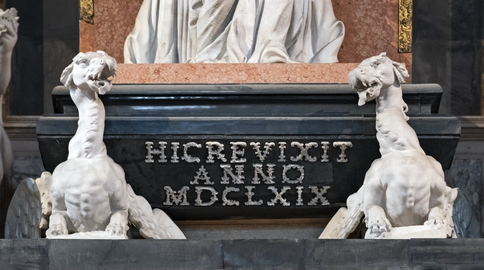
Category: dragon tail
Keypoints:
(152, 224)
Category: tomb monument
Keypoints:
(207, 131)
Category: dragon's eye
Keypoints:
(83, 63)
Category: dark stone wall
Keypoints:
(447, 49)
(25, 95)
(61, 42)
(48, 38)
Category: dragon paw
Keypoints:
(376, 221)
(118, 225)
(436, 218)
(436, 223)
(57, 226)
(116, 229)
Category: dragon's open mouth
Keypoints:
(373, 86)
(98, 83)
(368, 90)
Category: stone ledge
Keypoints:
(472, 128)
(242, 254)
(233, 73)
(21, 127)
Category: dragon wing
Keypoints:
(24, 212)
(345, 220)
(465, 222)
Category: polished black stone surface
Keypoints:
(303, 100)
(140, 117)
(242, 254)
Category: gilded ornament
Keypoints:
(405, 13)
(86, 11)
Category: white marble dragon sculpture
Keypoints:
(90, 196)
(404, 194)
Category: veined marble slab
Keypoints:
(233, 73)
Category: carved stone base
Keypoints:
(409, 232)
(90, 235)
(242, 254)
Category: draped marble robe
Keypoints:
(235, 31)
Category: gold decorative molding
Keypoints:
(86, 10)
(405, 13)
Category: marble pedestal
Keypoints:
(242, 254)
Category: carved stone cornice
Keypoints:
(23, 127)
(472, 128)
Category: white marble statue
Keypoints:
(230, 31)
(89, 191)
(404, 194)
(8, 39)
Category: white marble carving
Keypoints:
(89, 191)
(30, 208)
(44, 184)
(24, 213)
(8, 39)
(229, 31)
(404, 194)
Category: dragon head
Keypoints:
(92, 69)
(373, 74)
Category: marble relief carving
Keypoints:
(229, 31)
(404, 194)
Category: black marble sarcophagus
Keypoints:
(245, 151)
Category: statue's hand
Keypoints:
(376, 221)
(8, 39)
(118, 225)
(57, 226)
